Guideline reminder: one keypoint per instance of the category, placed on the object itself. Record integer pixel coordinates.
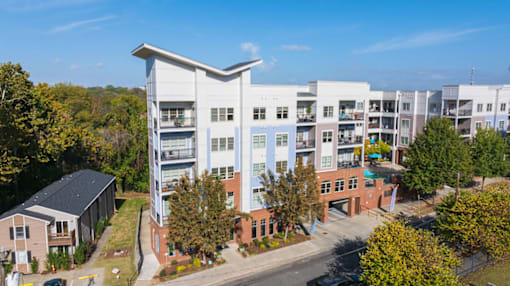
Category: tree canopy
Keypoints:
(400, 255)
(488, 150)
(435, 157)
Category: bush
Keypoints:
(256, 242)
(190, 265)
(250, 251)
(162, 273)
(262, 246)
(220, 261)
(292, 239)
(60, 260)
(291, 234)
(286, 241)
(173, 273)
(174, 262)
(81, 253)
(100, 225)
(181, 268)
(196, 262)
(279, 235)
(275, 243)
(34, 265)
(265, 240)
(8, 267)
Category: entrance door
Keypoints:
(357, 206)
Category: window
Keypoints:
(328, 111)
(488, 124)
(406, 106)
(327, 136)
(230, 200)
(405, 123)
(404, 140)
(223, 173)
(222, 144)
(259, 169)
(171, 250)
(359, 105)
(258, 197)
(479, 107)
(339, 185)
(501, 124)
(254, 229)
(21, 257)
(62, 227)
(326, 162)
(489, 107)
(259, 113)
(169, 114)
(282, 112)
(271, 226)
(388, 193)
(502, 107)
(20, 232)
(222, 114)
(259, 141)
(173, 144)
(353, 183)
(169, 175)
(478, 125)
(282, 140)
(281, 166)
(263, 228)
(433, 107)
(325, 187)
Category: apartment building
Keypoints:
(204, 118)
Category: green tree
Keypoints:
(435, 157)
(477, 221)
(488, 150)
(199, 219)
(400, 255)
(292, 195)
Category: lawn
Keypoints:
(123, 235)
(498, 274)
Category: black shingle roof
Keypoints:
(71, 194)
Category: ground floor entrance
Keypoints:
(340, 206)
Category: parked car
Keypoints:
(55, 282)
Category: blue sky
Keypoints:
(390, 44)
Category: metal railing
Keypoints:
(455, 112)
(374, 125)
(349, 116)
(306, 118)
(179, 154)
(305, 144)
(348, 164)
(60, 239)
(349, 141)
(177, 122)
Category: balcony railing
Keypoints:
(374, 125)
(305, 144)
(348, 164)
(61, 239)
(461, 112)
(349, 116)
(305, 118)
(179, 154)
(177, 122)
(349, 141)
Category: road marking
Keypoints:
(87, 277)
(28, 284)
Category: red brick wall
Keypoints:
(234, 185)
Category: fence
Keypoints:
(138, 254)
(473, 263)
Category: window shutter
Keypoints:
(27, 232)
(29, 256)
(11, 232)
(13, 257)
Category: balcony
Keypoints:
(305, 144)
(306, 118)
(465, 131)
(177, 122)
(179, 154)
(453, 112)
(350, 141)
(374, 125)
(348, 164)
(61, 239)
(345, 116)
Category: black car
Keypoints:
(55, 282)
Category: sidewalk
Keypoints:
(150, 263)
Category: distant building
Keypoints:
(58, 218)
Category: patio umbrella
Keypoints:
(375, 156)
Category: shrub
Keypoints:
(173, 273)
(174, 262)
(244, 254)
(265, 240)
(291, 234)
(181, 268)
(286, 241)
(251, 251)
(256, 242)
(80, 255)
(292, 239)
(100, 225)
(8, 267)
(279, 235)
(220, 261)
(190, 265)
(34, 265)
(196, 262)
(275, 243)
(162, 273)
(262, 246)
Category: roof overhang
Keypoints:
(145, 51)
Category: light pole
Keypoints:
(4, 254)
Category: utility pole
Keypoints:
(4, 254)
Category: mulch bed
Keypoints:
(298, 238)
(116, 253)
(171, 270)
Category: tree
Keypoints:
(199, 219)
(477, 221)
(488, 152)
(400, 255)
(435, 157)
(293, 194)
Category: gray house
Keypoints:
(58, 217)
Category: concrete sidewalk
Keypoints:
(150, 263)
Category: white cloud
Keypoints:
(74, 67)
(77, 24)
(253, 52)
(100, 65)
(418, 40)
(295, 48)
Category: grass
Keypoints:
(498, 274)
(123, 235)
